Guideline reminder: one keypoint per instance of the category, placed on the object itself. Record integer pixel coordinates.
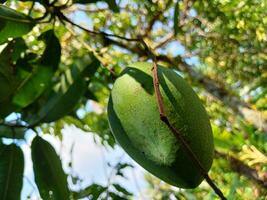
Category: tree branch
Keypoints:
(241, 168)
(164, 41)
(63, 17)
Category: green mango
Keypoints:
(135, 123)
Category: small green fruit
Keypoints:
(134, 120)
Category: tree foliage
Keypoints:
(52, 64)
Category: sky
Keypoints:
(89, 162)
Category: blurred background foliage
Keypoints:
(60, 58)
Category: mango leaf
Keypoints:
(5, 88)
(18, 46)
(9, 82)
(33, 86)
(68, 92)
(50, 178)
(176, 18)
(94, 191)
(8, 132)
(40, 78)
(88, 70)
(60, 104)
(7, 68)
(90, 95)
(13, 24)
(10, 74)
(6, 107)
(52, 52)
(11, 172)
(111, 3)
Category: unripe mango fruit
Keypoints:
(135, 123)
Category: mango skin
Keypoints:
(134, 120)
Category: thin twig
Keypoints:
(176, 133)
(93, 51)
(242, 168)
(169, 37)
(98, 32)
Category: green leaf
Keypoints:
(234, 185)
(7, 68)
(15, 48)
(9, 55)
(90, 95)
(113, 5)
(61, 103)
(88, 70)
(52, 52)
(13, 24)
(6, 107)
(11, 132)
(50, 178)
(5, 88)
(68, 92)
(40, 78)
(9, 59)
(176, 18)
(94, 191)
(32, 87)
(11, 172)
(121, 189)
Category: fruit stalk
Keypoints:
(177, 134)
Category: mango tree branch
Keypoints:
(210, 85)
(243, 169)
(63, 17)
